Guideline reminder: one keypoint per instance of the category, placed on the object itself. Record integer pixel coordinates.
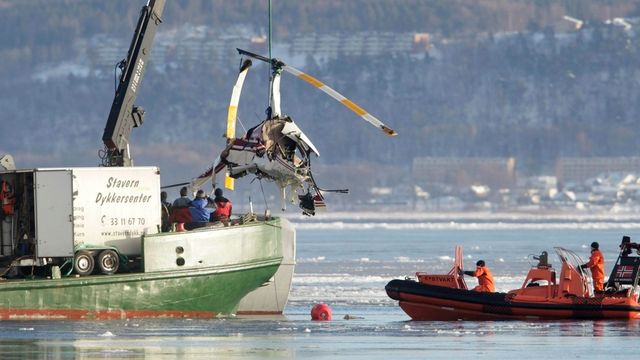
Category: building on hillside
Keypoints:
(360, 44)
(497, 173)
(579, 169)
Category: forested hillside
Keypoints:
(37, 30)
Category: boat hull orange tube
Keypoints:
(431, 302)
(544, 294)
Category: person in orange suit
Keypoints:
(485, 278)
(596, 265)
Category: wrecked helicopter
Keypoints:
(276, 149)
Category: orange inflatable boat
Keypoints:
(545, 293)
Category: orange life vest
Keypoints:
(596, 264)
(485, 279)
(7, 199)
(223, 210)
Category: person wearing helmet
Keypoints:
(223, 208)
(485, 278)
(596, 265)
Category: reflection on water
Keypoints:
(144, 348)
(379, 335)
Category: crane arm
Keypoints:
(124, 115)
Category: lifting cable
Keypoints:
(266, 206)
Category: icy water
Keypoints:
(346, 265)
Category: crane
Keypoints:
(124, 115)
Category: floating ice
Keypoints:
(107, 334)
(115, 351)
(313, 259)
(594, 225)
(337, 279)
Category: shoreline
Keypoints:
(414, 216)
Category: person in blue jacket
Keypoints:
(199, 211)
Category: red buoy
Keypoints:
(321, 312)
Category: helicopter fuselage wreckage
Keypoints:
(277, 149)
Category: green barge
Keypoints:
(201, 273)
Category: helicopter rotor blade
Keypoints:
(340, 98)
(277, 64)
(232, 114)
(275, 94)
(256, 56)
